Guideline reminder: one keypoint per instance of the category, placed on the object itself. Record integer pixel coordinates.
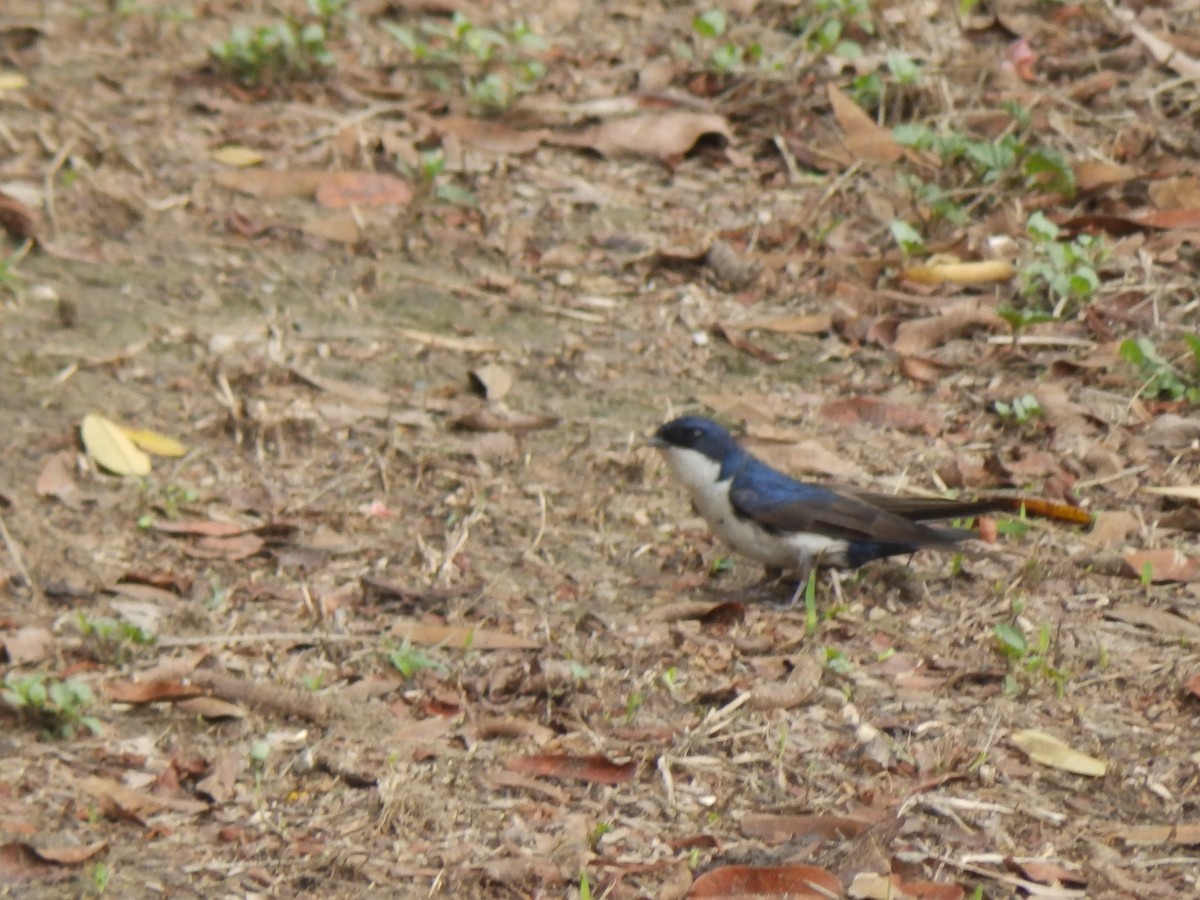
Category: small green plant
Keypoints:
(99, 878)
(490, 67)
(1163, 380)
(58, 706)
(272, 53)
(1020, 411)
(907, 237)
(837, 661)
(825, 28)
(1029, 660)
(869, 90)
(726, 57)
(409, 660)
(599, 830)
(632, 704)
(811, 618)
(114, 638)
(1060, 272)
(585, 886)
(721, 564)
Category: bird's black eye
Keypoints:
(695, 435)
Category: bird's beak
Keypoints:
(657, 442)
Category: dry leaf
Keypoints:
(70, 856)
(16, 218)
(110, 447)
(882, 414)
(56, 478)
(1159, 620)
(459, 637)
(865, 139)
(1050, 751)
(241, 546)
(1110, 529)
(155, 443)
(237, 156)
(1178, 492)
(122, 690)
(921, 335)
(492, 381)
(596, 769)
(981, 272)
(1091, 174)
(780, 828)
(341, 190)
(267, 184)
(489, 420)
(201, 527)
(211, 708)
(121, 802)
(1162, 565)
(487, 135)
(663, 135)
(28, 645)
(793, 882)
(1180, 834)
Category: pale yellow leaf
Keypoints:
(13, 81)
(153, 442)
(981, 272)
(109, 446)
(237, 156)
(1050, 751)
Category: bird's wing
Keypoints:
(793, 506)
(923, 509)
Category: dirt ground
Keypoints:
(418, 612)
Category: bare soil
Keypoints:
(428, 616)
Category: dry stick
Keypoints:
(14, 550)
(278, 698)
(48, 183)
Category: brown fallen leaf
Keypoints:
(596, 769)
(485, 134)
(793, 882)
(1050, 873)
(122, 690)
(28, 645)
(16, 218)
(921, 335)
(211, 708)
(1160, 620)
(460, 637)
(863, 137)
(1111, 528)
(220, 785)
(738, 341)
(882, 414)
(56, 478)
(342, 228)
(1159, 566)
(71, 856)
(267, 184)
(780, 828)
(199, 527)
(123, 803)
(1191, 685)
(664, 136)
(1091, 174)
(241, 546)
(492, 382)
(342, 190)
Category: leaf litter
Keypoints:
(465, 580)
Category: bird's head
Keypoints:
(695, 448)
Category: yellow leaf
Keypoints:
(107, 444)
(13, 81)
(153, 442)
(1050, 751)
(237, 156)
(981, 272)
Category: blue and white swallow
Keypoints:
(796, 526)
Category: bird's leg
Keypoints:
(836, 579)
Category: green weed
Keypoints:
(1028, 661)
(59, 707)
(1163, 380)
(273, 53)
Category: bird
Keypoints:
(798, 526)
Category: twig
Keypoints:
(269, 637)
(48, 183)
(286, 700)
(14, 550)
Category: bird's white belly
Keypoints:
(780, 551)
